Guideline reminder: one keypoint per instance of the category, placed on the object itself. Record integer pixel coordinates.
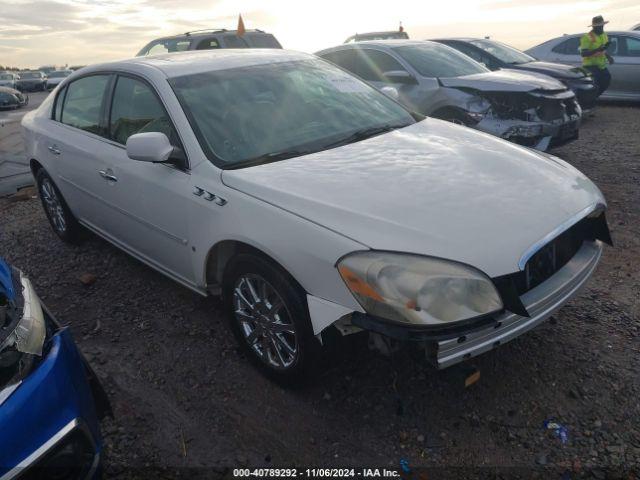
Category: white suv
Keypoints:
(310, 200)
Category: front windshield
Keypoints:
(434, 60)
(6, 76)
(59, 74)
(30, 75)
(250, 115)
(503, 52)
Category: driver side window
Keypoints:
(376, 63)
(135, 109)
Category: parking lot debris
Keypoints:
(23, 195)
(559, 430)
(87, 279)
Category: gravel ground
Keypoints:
(183, 396)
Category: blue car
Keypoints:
(50, 399)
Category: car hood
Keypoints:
(432, 188)
(504, 81)
(556, 70)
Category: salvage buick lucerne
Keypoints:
(309, 201)
(432, 79)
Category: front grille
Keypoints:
(550, 258)
(555, 254)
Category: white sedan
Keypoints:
(311, 201)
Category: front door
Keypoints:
(149, 202)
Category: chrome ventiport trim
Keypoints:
(563, 227)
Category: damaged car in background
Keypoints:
(435, 80)
(496, 55)
(314, 204)
(12, 98)
(50, 398)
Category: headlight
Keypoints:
(418, 290)
(26, 340)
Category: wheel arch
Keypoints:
(222, 254)
(35, 166)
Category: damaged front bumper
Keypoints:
(542, 120)
(49, 417)
(538, 135)
(447, 347)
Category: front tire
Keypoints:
(62, 221)
(269, 317)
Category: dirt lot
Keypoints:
(184, 397)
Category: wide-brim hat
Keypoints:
(598, 21)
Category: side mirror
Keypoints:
(399, 76)
(153, 147)
(391, 92)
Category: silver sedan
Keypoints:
(625, 49)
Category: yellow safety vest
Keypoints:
(591, 41)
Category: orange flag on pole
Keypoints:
(241, 29)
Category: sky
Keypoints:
(34, 33)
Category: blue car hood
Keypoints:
(6, 280)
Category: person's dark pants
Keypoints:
(602, 78)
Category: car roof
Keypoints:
(208, 33)
(460, 39)
(387, 44)
(198, 61)
(608, 32)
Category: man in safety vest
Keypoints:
(593, 48)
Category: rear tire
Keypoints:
(62, 221)
(269, 316)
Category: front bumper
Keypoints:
(586, 92)
(52, 412)
(446, 348)
(538, 135)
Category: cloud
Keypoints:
(38, 32)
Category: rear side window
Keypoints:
(170, 45)
(208, 44)
(234, 41)
(633, 46)
(568, 47)
(263, 40)
(136, 109)
(83, 103)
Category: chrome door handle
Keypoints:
(54, 149)
(108, 176)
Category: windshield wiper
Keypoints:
(363, 134)
(268, 158)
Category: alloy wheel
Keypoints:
(53, 205)
(265, 322)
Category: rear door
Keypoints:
(76, 135)
(626, 70)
